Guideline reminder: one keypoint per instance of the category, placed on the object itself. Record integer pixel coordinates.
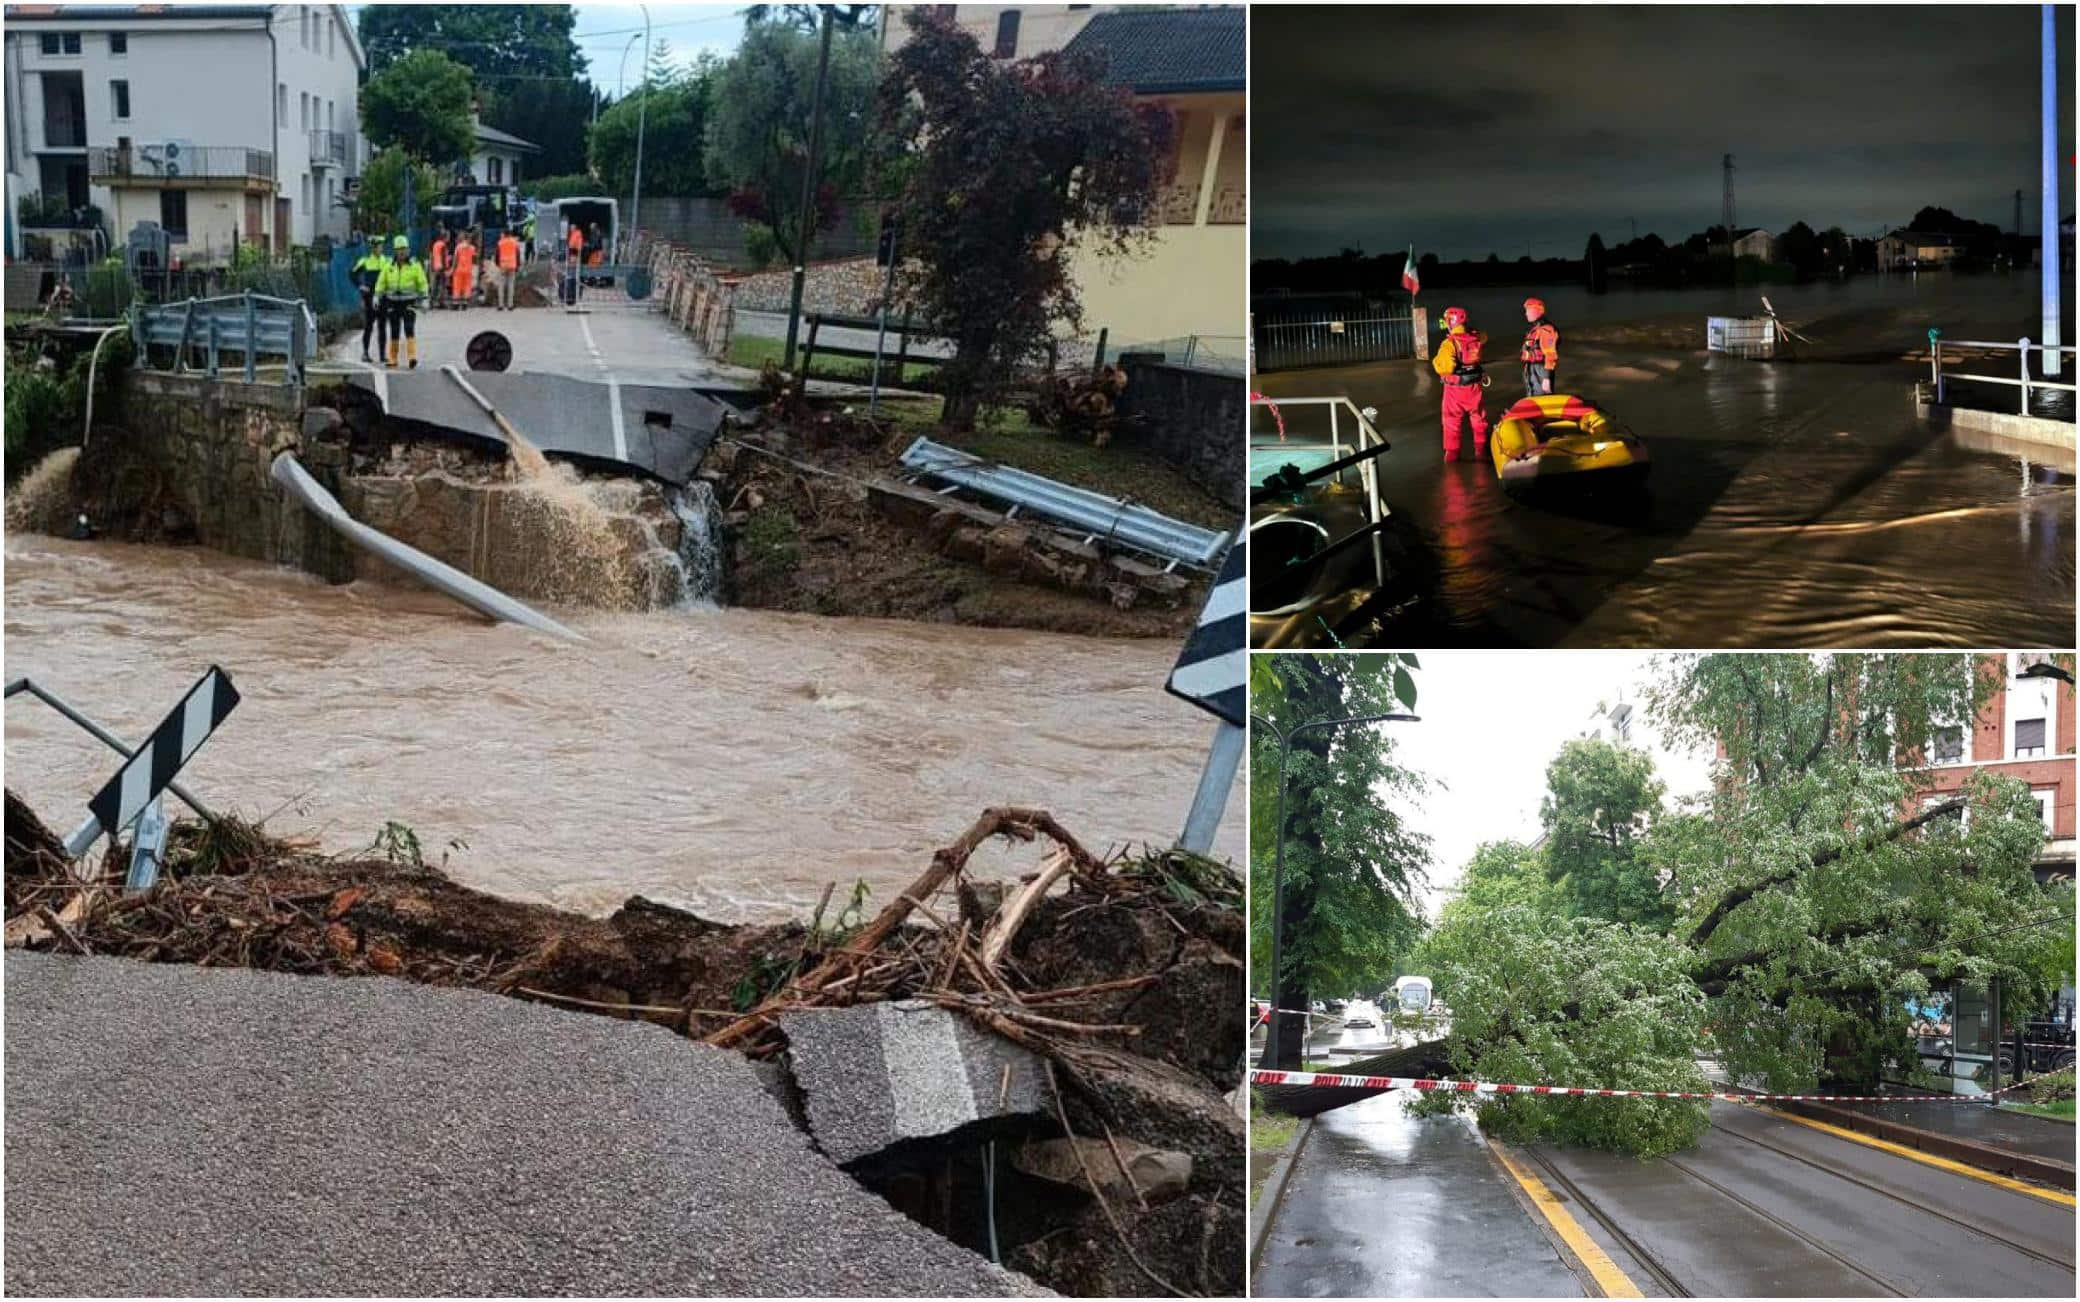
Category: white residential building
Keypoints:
(225, 124)
(495, 160)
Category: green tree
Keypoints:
(493, 41)
(421, 103)
(808, 17)
(672, 134)
(758, 128)
(379, 207)
(552, 115)
(1352, 864)
(1822, 888)
(1010, 171)
(1600, 801)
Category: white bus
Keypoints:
(1412, 993)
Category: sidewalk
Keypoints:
(1381, 1204)
(1976, 1134)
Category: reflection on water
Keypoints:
(1791, 503)
(732, 762)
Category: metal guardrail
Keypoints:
(1100, 517)
(249, 324)
(2022, 348)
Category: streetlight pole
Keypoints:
(635, 203)
(801, 253)
(1278, 881)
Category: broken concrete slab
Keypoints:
(237, 1132)
(663, 430)
(880, 1075)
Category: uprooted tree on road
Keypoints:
(1817, 889)
(1352, 864)
(1008, 172)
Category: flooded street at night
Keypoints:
(730, 762)
(1791, 503)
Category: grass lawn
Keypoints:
(2062, 1109)
(753, 352)
(1119, 471)
(1271, 1136)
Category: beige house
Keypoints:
(1905, 249)
(1756, 243)
(1187, 292)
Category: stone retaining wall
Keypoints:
(1194, 419)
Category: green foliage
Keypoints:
(757, 144)
(1820, 895)
(45, 406)
(1601, 799)
(2051, 1086)
(770, 543)
(422, 104)
(574, 185)
(1352, 865)
(379, 210)
(492, 41)
(398, 843)
(1004, 172)
(673, 131)
(1542, 998)
(552, 115)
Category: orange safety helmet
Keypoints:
(1536, 305)
(1454, 316)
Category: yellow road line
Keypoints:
(1612, 1281)
(1930, 1159)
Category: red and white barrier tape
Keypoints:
(1331, 1080)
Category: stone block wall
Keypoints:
(1194, 419)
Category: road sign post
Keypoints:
(151, 769)
(1212, 673)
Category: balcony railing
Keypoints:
(1179, 205)
(61, 132)
(331, 148)
(179, 165)
(1230, 206)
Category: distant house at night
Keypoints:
(1755, 243)
(1905, 249)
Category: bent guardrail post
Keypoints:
(479, 596)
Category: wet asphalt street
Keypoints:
(1381, 1204)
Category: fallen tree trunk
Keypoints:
(1426, 1059)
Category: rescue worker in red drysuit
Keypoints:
(1458, 364)
(1541, 351)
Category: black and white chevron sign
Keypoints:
(1213, 669)
(147, 772)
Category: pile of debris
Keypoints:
(1035, 1069)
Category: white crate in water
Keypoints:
(1741, 336)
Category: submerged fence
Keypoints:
(1330, 332)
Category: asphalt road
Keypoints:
(186, 1131)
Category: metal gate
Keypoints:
(1331, 335)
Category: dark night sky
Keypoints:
(1521, 130)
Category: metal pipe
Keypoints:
(1215, 781)
(801, 253)
(101, 734)
(93, 361)
(1278, 881)
(2054, 283)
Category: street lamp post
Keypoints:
(635, 203)
(1278, 879)
(801, 253)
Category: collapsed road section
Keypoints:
(1032, 1070)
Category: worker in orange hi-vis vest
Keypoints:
(1458, 364)
(465, 271)
(576, 243)
(506, 269)
(437, 264)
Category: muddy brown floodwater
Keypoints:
(731, 762)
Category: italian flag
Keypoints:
(1409, 279)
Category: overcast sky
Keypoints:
(604, 33)
(1492, 721)
(1471, 129)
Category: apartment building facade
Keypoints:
(223, 124)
